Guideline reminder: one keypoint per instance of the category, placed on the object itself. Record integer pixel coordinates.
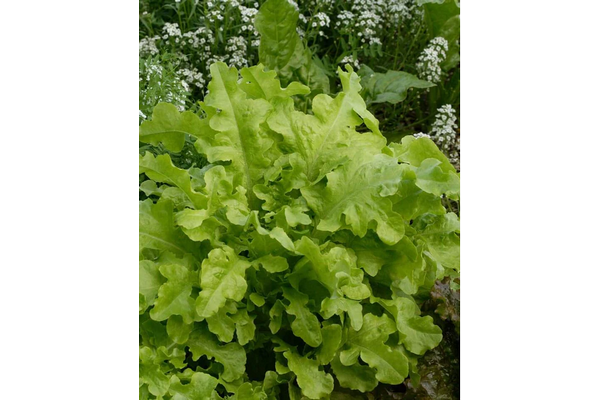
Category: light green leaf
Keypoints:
(169, 127)
(418, 334)
(432, 179)
(261, 84)
(231, 356)
(273, 264)
(442, 239)
(314, 383)
(151, 374)
(336, 270)
(276, 314)
(161, 169)
(305, 325)
(331, 307)
(416, 150)
(178, 330)
(222, 278)
(390, 364)
(201, 386)
(403, 266)
(174, 295)
(328, 138)
(150, 281)
(332, 339)
(222, 201)
(157, 229)
(257, 299)
(222, 324)
(356, 377)
(356, 197)
(244, 326)
(234, 134)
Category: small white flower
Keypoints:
(429, 61)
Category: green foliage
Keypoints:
(391, 87)
(294, 264)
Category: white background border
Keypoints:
(530, 219)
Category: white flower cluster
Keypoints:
(202, 38)
(171, 30)
(443, 132)
(237, 49)
(400, 11)
(320, 20)
(368, 19)
(429, 61)
(421, 134)
(344, 19)
(350, 60)
(248, 14)
(193, 77)
(148, 46)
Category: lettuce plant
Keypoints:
(294, 264)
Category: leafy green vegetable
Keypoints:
(296, 260)
(391, 87)
(281, 48)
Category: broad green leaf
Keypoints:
(222, 324)
(414, 151)
(222, 278)
(280, 46)
(224, 206)
(414, 201)
(437, 13)
(356, 197)
(201, 386)
(150, 281)
(261, 84)
(276, 315)
(338, 306)
(313, 74)
(161, 169)
(151, 374)
(418, 334)
(432, 179)
(390, 364)
(356, 377)
(234, 134)
(273, 264)
(403, 266)
(451, 32)
(328, 138)
(231, 356)
(257, 299)
(442, 239)
(174, 295)
(391, 87)
(336, 270)
(169, 127)
(305, 325)
(332, 339)
(178, 330)
(157, 229)
(314, 383)
(244, 326)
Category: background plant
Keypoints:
(419, 38)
